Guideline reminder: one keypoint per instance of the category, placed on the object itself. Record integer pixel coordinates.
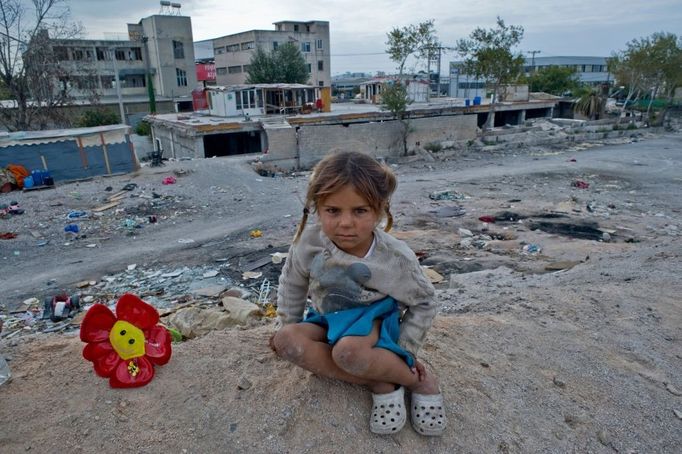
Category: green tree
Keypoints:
(489, 55)
(394, 99)
(554, 80)
(282, 65)
(413, 40)
(98, 117)
(649, 66)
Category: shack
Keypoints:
(71, 154)
(262, 99)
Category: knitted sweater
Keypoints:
(335, 281)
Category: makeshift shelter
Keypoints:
(71, 154)
(261, 99)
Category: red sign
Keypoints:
(205, 72)
(199, 99)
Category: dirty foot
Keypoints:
(427, 385)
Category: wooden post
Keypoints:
(81, 150)
(106, 154)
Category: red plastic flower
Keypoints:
(125, 348)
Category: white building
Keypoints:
(232, 53)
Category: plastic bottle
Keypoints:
(5, 374)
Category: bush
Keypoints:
(433, 147)
(102, 117)
(143, 128)
(631, 126)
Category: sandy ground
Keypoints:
(580, 357)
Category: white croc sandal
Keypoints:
(388, 412)
(428, 414)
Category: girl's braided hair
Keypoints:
(370, 178)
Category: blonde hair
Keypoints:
(371, 179)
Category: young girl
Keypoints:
(372, 304)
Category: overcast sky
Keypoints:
(358, 27)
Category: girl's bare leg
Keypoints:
(353, 359)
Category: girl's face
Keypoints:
(348, 220)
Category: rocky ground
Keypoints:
(559, 328)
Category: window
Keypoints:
(108, 81)
(181, 76)
(321, 83)
(101, 53)
(137, 53)
(233, 48)
(307, 28)
(234, 69)
(320, 65)
(178, 49)
(318, 44)
(219, 50)
(305, 46)
(296, 27)
(221, 71)
(275, 44)
(596, 68)
(309, 68)
(471, 85)
(245, 68)
(120, 54)
(248, 45)
(77, 54)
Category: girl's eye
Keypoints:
(331, 210)
(361, 210)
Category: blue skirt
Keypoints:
(358, 322)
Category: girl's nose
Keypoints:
(346, 219)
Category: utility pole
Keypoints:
(532, 61)
(118, 87)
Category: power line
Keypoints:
(355, 55)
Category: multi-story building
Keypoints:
(160, 46)
(232, 53)
(590, 70)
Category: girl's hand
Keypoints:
(419, 369)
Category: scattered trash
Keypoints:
(210, 273)
(532, 248)
(131, 224)
(185, 241)
(72, 228)
(465, 232)
(581, 184)
(264, 291)
(106, 206)
(572, 160)
(278, 257)
(152, 219)
(244, 384)
(582, 230)
(132, 266)
(60, 307)
(42, 243)
(446, 195)
(255, 233)
(129, 187)
(434, 276)
(76, 214)
(488, 219)
(251, 275)
(169, 180)
(7, 235)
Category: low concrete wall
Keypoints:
(311, 143)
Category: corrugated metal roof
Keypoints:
(250, 86)
(55, 135)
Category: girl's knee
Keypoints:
(348, 354)
(287, 343)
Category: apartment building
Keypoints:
(232, 53)
(159, 45)
(590, 70)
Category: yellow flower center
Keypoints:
(127, 340)
(133, 369)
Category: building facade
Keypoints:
(232, 53)
(590, 70)
(159, 46)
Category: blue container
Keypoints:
(28, 182)
(477, 100)
(467, 102)
(37, 177)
